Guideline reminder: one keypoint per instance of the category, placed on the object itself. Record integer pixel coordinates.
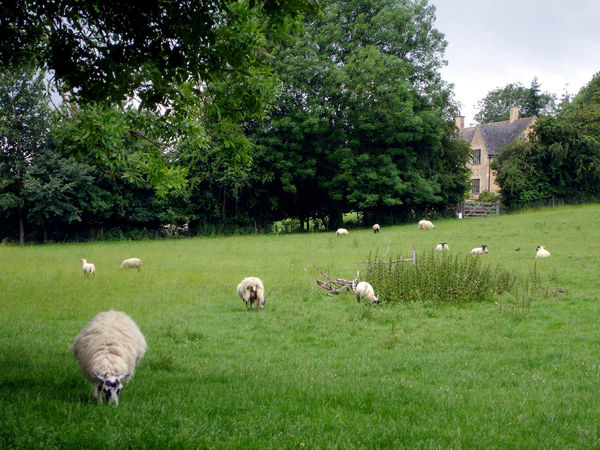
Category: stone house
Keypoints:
(486, 139)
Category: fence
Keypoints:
(478, 209)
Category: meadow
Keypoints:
(309, 370)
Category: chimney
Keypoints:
(459, 121)
(514, 113)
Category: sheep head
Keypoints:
(111, 387)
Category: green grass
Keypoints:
(309, 371)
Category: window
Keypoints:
(477, 157)
(475, 186)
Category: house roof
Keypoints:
(497, 134)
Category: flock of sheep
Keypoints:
(110, 346)
(541, 252)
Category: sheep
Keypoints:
(132, 263)
(88, 268)
(426, 225)
(541, 252)
(479, 250)
(376, 228)
(341, 232)
(251, 289)
(442, 246)
(108, 349)
(365, 290)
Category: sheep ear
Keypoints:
(124, 377)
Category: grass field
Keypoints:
(309, 371)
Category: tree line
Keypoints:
(302, 111)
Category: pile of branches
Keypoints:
(338, 285)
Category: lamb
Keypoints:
(132, 263)
(341, 232)
(479, 250)
(541, 252)
(108, 350)
(376, 228)
(426, 225)
(251, 290)
(442, 246)
(365, 290)
(88, 268)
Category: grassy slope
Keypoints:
(309, 370)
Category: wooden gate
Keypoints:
(479, 209)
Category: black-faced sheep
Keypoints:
(251, 290)
(541, 252)
(376, 228)
(442, 246)
(479, 250)
(108, 349)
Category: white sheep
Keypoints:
(132, 263)
(479, 250)
(426, 225)
(442, 246)
(376, 228)
(108, 350)
(88, 268)
(341, 232)
(251, 290)
(541, 252)
(365, 290)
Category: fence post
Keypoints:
(497, 207)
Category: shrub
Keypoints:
(438, 277)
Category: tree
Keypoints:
(495, 106)
(57, 190)
(106, 51)
(24, 126)
(361, 117)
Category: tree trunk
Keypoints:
(21, 232)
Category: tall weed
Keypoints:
(438, 277)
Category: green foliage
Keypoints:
(106, 51)
(57, 190)
(487, 196)
(102, 137)
(360, 123)
(495, 106)
(24, 125)
(561, 161)
(438, 277)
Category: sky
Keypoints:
(492, 43)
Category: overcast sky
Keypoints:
(492, 43)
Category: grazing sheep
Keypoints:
(108, 350)
(88, 268)
(541, 252)
(376, 228)
(365, 290)
(251, 290)
(426, 225)
(341, 232)
(479, 250)
(132, 263)
(442, 246)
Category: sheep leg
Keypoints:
(97, 392)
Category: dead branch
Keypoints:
(338, 285)
(413, 259)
